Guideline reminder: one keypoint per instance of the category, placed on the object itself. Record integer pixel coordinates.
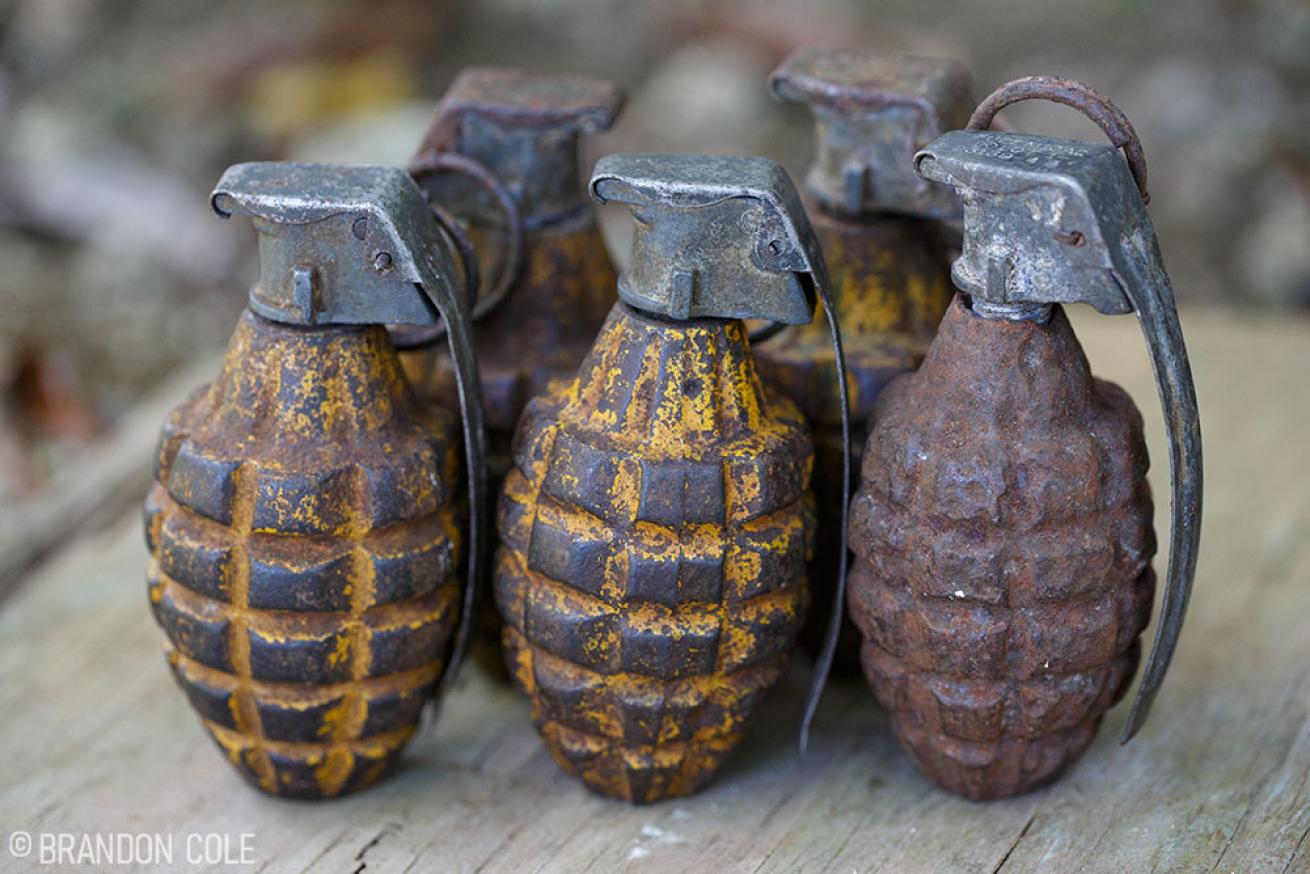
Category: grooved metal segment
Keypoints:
(891, 284)
(539, 335)
(305, 542)
(1003, 540)
(655, 529)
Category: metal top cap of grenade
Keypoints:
(359, 245)
(727, 237)
(1046, 221)
(872, 113)
(524, 127)
(1049, 221)
(721, 236)
(340, 244)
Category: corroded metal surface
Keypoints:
(1003, 539)
(526, 128)
(305, 530)
(1091, 103)
(891, 283)
(722, 236)
(655, 529)
(889, 262)
(538, 337)
(1051, 221)
(872, 111)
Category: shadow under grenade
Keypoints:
(883, 237)
(1003, 526)
(657, 521)
(308, 529)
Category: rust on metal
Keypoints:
(1003, 538)
(657, 521)
(654, 531)
(1052, 221)
(1087, 100)
(886, 254)
(525, 129)
(306, 530)
(308, 526)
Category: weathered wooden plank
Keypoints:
(96, 739)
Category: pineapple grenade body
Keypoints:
(308, 524)
(882, 233)
(1003, 522)
(657, 520)
(555, 286)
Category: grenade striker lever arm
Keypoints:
(358, 245)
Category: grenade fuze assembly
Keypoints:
(555, 283)
(1002, 528)
(308, 525)
(880, 227)
(657, 521)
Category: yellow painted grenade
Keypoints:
(503, 154)
(658, 518)
(1003, 524)
(883, 237)
(308, 526)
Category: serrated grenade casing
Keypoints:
(1003, 523)
(657, 520)
(883, 235)
(308, 524)
(552, 289)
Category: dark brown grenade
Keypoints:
(657, 521)
(307, 522)
(1002, 528)
(536, 324)
(1003, 538)
(881, 229)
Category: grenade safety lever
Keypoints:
(1050, 221)
(358, 245)
(688, 261)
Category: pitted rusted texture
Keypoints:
(305, 530)
(538, 336)
(891, 283)
(655, 528)
(1003, 538)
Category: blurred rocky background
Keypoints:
(116, 117)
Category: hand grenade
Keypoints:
(518, 133)
(881, 229)
(1002, 528)
(307, 525)
(657, 520)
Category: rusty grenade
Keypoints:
(503, 153)
(308, 524)
(883, 232)
(657, 520)
(1003, 523)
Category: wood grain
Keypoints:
(95, 738)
